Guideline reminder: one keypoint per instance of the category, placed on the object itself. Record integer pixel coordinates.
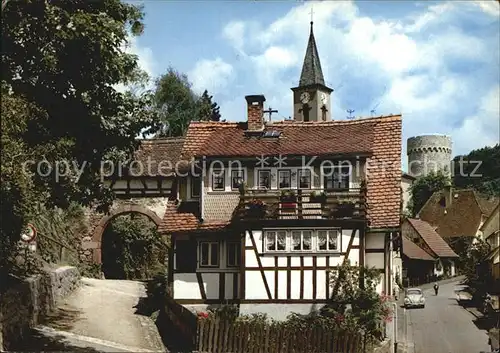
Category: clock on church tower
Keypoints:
(311, 98)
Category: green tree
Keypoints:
(60, 63)
(208, 110)
(480, 169)
(360, 305)
(179, 104)
(423, 188)
(132, 248)
(472, 262)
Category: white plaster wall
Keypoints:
(374, 260)
(186, 286)
(254, 286)
(374, 240)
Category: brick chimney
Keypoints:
(255, 108)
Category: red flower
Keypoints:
(203, 315)
(339, 318)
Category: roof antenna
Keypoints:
(380, 101)
(350, 111)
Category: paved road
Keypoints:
(100, 316)
(443, 326)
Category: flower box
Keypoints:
(344, 210)
(318, 198)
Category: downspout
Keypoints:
(390, 262)
(202, 194)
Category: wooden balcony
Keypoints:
(265, 205)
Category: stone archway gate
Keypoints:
(153, 208)
(145, 189)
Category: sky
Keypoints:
(436, 63)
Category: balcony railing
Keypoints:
(272, 205)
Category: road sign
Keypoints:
(29, 234)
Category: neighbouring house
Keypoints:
(491, 233)
(418, 264)
(458, 213)
(406, 183)
(267, 209)
(423, 235)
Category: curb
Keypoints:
(475, 312)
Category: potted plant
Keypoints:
(345, 209)
(318, 197)
(288, 199)
(256, 208)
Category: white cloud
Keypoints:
(145, 60)
(235, 33)
(211, 75)
(436, 72)
(491, 7)
(483, 128)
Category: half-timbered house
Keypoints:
(267, 209)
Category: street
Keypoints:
(443, 326)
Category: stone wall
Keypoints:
(24, 303)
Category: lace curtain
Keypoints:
(306, 241)
(322, 240)
(332, 241)
(281, 240)
(271, 241)
(296, 240)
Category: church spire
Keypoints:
(311, 69)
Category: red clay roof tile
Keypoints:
(380, 138)
(432, 239)
(415, 252)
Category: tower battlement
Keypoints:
(428, 153)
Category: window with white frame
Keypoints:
(327, 240)
(275, 240)
(337, 177)
(264, 179)
(237, 178)
(209, 254)
(218, 180)
(284, 179)
(301, 240)
(233, 254)
(298, 240)
(195, 186)
(304, 178)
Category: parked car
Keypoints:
(414, 298)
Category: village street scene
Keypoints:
(250, 177)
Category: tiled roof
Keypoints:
(178, 221)
(462, 217)
(157, 157)
(384, 174)
(415, 252)
(379, 138)
(432, 239)
(486, 204)
(297, 138)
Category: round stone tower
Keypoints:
(428, 153)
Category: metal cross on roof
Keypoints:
(350, 111)
(311, 13)
(270, 111)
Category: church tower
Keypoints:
(311, 99)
